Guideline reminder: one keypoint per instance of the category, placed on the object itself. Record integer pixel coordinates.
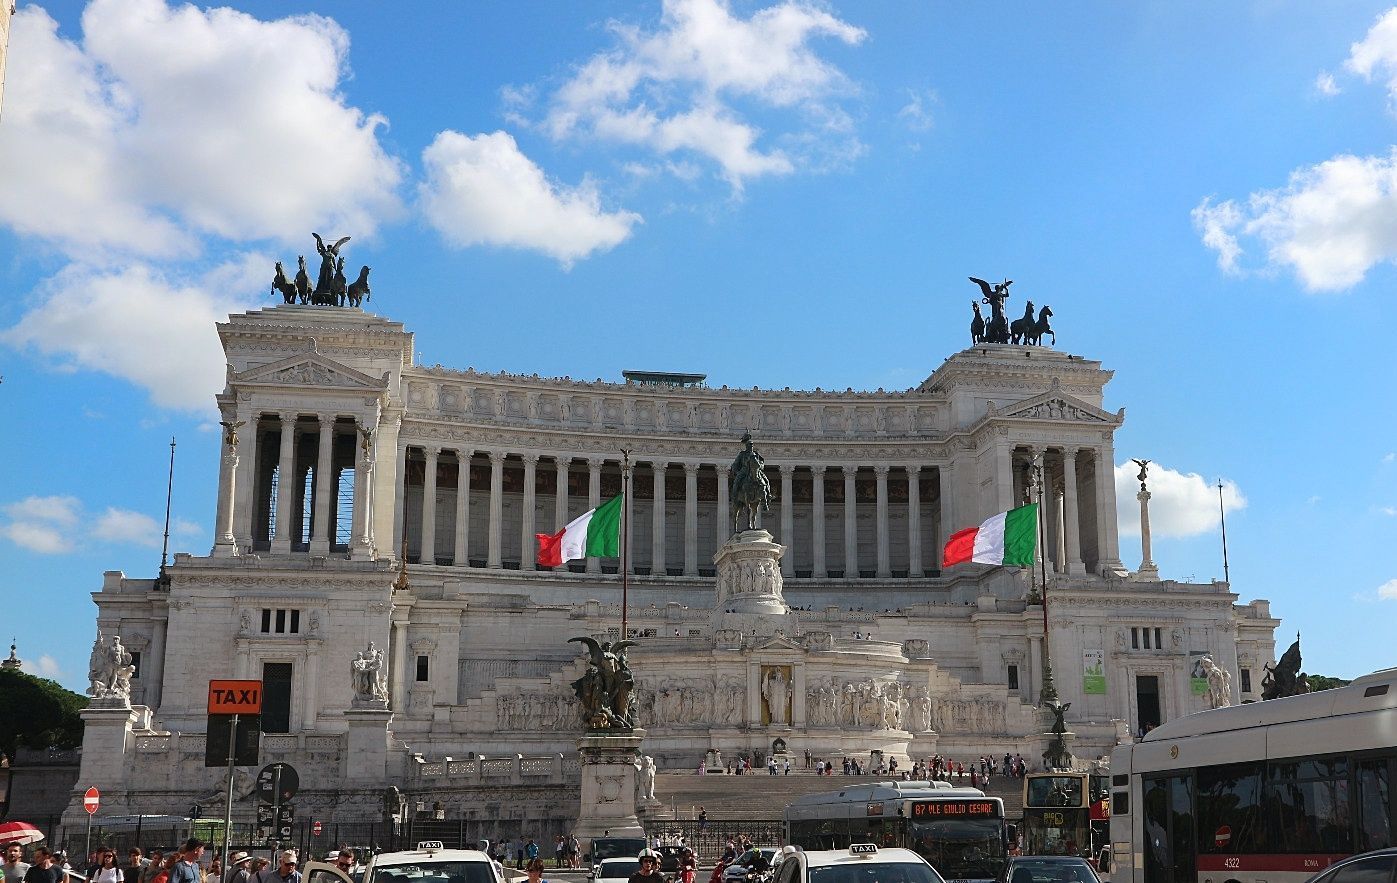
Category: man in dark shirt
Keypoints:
(649, 868)
(42, 870)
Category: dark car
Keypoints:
(1366, 867)
(1048, 869)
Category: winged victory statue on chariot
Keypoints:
(331, 287)
(1027, 330)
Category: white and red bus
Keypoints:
(1268, 791)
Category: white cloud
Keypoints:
(1376, 54)
(60, 510)
(483, 190)
(1388, 510)
(42, 524)
(1389, 457)
(1388, 590)
(164, 121)
(48, 667)
(672, 90)
(125, 526)
(142, 325)
(1326, 85)
(916, 113)
(1182, 504)
(1329, 225)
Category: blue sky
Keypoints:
(1205, 193)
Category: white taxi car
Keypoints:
(860, 863)
(430, 862)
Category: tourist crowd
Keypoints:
(183, 865)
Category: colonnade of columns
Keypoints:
(682, 531)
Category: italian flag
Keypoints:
(1008, 538)
(594, 533)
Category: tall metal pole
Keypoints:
(1048, 692)
(276, 810)
(228, 805)
(625, 536)
(1222, 514)
(169, 492)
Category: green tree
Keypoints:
(1321, 682)
(37, 713)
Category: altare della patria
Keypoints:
(374, 566)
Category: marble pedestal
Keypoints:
(366, 749)
(749, 596)
(608, 806)
(1047, 742)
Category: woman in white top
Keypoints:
(107, 871)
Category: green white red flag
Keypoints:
(594, 533)
(1009, 539)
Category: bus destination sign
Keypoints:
(955, 809)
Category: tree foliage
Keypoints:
(37, 713)
(1321, 682)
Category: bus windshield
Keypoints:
(960, 849)
(1054, 791)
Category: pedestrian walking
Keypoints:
(155, 862)
(239, 868)
(106, 870)
(186, 869)
(42, 870)
(702, 819)
(285, 870)
(535, 870)
(15, 866)
(133, 867)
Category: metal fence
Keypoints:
(710, 838)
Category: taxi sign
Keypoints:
(863, 849)
(430, 844)
(235, 697)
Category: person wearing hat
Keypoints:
(688, 865)
(649, 868)
(285, 871)
(238, 870)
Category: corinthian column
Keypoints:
(285, 485)
(691, 519)
(880, 472)
(460, 553)
(526, 520)
(1070, 524)
(428, 551)
(657, 520)
(817, 533)
(788, 528)
(362, 520)
(725, 520)
(914, 521)
(324, 487)
(594, 465)
(851, 524)
(225, 544)
(493, 555)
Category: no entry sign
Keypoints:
(90, 800)
(316, 828)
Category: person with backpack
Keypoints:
(106, 870)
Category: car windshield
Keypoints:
(616, 847)
(619, 867)
(435, 872)
(1075, 871)
(874, 872)
(960, 850)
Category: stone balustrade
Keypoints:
(547, 769)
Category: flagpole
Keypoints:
(1222, 514)
(1048, 692)
(625, 536)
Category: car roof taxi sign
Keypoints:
(863, 849)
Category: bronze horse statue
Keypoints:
(977, 324)
(282, 284)
(358, 290)
(302, 281)
(1019, 328)
(1034, 335)
(339, 286)
(997, 331)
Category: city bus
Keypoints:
(1064, 813)
(960, 831)
(1274, 791)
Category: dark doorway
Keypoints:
(1147, 701)
(276, 697)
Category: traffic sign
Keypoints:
(316, 828)
(90, 799)
(274, 823)
(247, 740)
(271, 789)
(235, 697)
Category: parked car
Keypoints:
(1048, 869)
(1377, 865)
(616, 870)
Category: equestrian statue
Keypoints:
(750, 490)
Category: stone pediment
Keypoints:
(310, 369)
(778, 642)
(1058, 406)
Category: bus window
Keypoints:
(1168, 811)
(1054, 791)
(1310, 806)
(1374, 806)
(1230, 811)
